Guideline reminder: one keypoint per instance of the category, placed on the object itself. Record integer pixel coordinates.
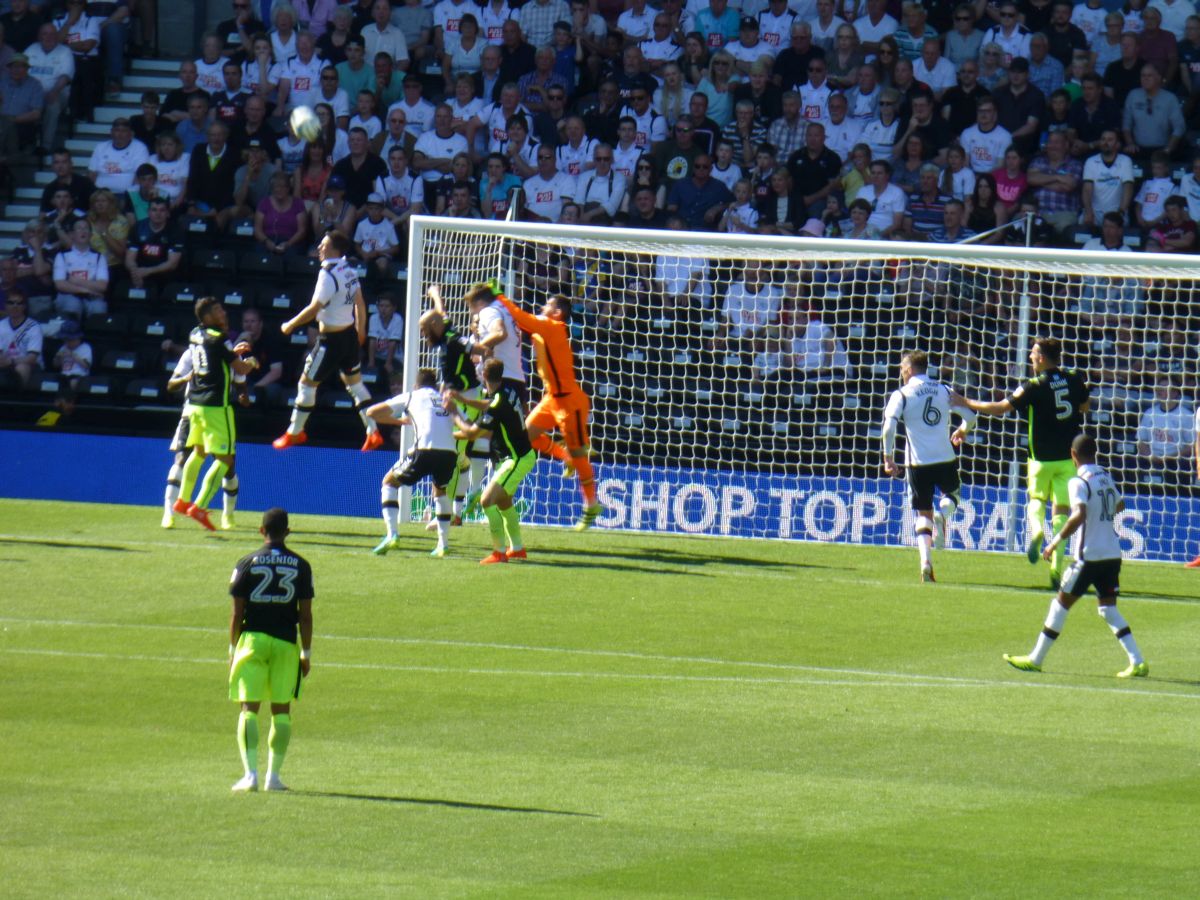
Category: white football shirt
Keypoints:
(432, 424)
(508, 351)
(545, 196)
(985, 149)
(115, 168)
(434, 147)
(922, 405)
(1107, 181)
(337, 286)
(1097, 538)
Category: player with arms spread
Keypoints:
(211, 429)
(923, 404)
(501, 422)
(1054, 402)
(434, 455)
(272, 591)
(564, 405)
(1095, 503)
(341, 315)
(457, 373)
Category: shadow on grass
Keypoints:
(679, 557)
(453, 804)
(72, 545)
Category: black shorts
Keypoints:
(179, 441)
(522, 389)
(1103, 574)
(439, 465)
(923, 479)
(337, 351)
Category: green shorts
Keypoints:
(264, 668)
(511, 472)
(212, 428)
(1050, 479)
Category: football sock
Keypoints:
(547, 447)
(947, 506)
(212, 481)
(587, 478)
(1055, 620)
(444, 505)
(925, 539)
(230, 487)
(302, 407)
(512, 525)
(390, 498)
(247, 739)
(459, 505)
(191, 471)
(174, 477)
(1122, 632)
(362, 399)
(277, 742)
(1035, 518)
(456, 488)
(495, 526)
(1056, 558)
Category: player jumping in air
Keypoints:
(341, 314)
(434, 454)
(456, 372)
(1054, 401)
(564, 405)
(922, 404)
(181, 378)
(211, 430)
(501, 422)
(272, 591)
(1095, 503)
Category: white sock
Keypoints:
(1120, 628)
(460, 504)
(1056, 618)
(443, 505)
(925, 540)
(390, 498)
(174, 478)
(230, 487)
(362, 399)
(306, 399)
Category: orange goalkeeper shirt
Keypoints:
(552, 340)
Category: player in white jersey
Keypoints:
(922, 404)
(433, 455)
(341, 314)
(181, 377)
(1095, 503)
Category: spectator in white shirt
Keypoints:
(751, 306)
(888, 202)
(875, 25)
(636, 23)
(300, 76)
(1164, 431)
(418, 111)
(375, 238)
(385, 336)
(80, 276)
(381, 36)
(546, 191)
(1151, 200)
(599, 192)
(986, 141)
(20, 340)
(114, 162)
(435, 149)
(53, 65)
(934, 69)
(1107, 181)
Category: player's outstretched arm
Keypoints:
(1077, 518)
(301, 318)
(527, 322)
(435, 297)
(382, 413)
(459, 397)
(983, 408)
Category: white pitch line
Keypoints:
(619, 676)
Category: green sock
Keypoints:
(496, 526)
(211, 484)
(1035, 518)
(191, 471)
(512, 525)
(1056, 558)
(247, 738)
(281, 734)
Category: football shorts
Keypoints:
(922, 480)
(336, 351)
(212, 428)
(1049, 479)
(264, 668)
(1102, 574)
(568, 414)
(438, 465)
(511, 472)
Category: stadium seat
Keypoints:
(121, 361)
(256, 263)
(206, 261)
(125, 295)
(48, 383)
(106, 324)
(301, 267)
(159, 327)
(144, 389)
(182, 292)
(234, 295)
(100, 385)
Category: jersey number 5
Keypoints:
(266, 575)
(1062, 403)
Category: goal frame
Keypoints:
(786, 248)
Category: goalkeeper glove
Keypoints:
(494, 284)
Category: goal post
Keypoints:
(738, 381)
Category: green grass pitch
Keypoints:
(622, 716)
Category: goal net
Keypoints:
(738, 382)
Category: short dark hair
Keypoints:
(150, 97)
(275, 522)
(1116, 218)
(159, 201)
(479, 293)
(426, 378)
(916, 359)
(493, 369)
(338, 242)
(564, 306)
(204, 306)
(860, 203)
(1051, 348)
(1084, 446)
(145, 169)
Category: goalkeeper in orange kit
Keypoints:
(564, 406)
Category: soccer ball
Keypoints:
(305, 124)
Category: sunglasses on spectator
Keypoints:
(702, 167)
(603, 159)
(16, 302)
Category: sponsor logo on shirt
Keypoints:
(302, 84)
(545, 197)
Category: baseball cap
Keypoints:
(69, 330)
(255, 144)
(375, 197)
(19, 59)
(748, 22)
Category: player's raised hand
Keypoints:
(241, 348)
(495, 286)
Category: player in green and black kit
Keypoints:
(502, 422)
(272, 591)
(1054, 401)
(211, 428)
(456, 372)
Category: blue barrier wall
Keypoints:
(311, 480)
